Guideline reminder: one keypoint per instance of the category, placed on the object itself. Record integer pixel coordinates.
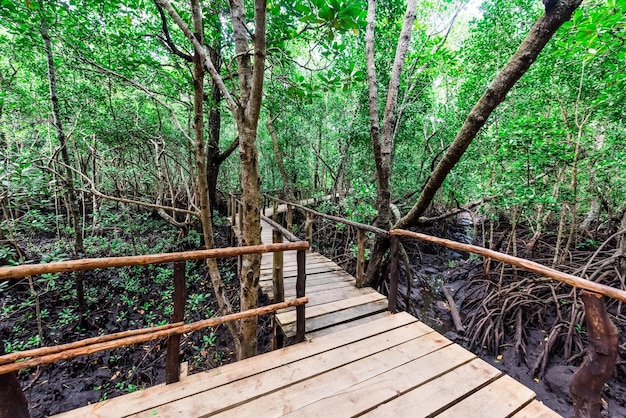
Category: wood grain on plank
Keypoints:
(242, 391)
(326, 384)
(332, 319)
(368, 394)
(197, 383)
(500, 398)
(436, 395)
(290, 316)
(536, 409)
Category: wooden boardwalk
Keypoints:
(357, 360)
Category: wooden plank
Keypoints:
(197, 383)
(339, 317)
(324, 386)
(310, 289)
(290, 262)
(536, 409)
(428, 399)
(290, 316)
(314, 280)
(325, 296)
(321, 287)
(314, 269)
(242, 391)
(347, 325)
(290, 258)
(501, 398)
(312, 277)
(388, 385)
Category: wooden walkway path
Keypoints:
(334, 302)
(358, 360)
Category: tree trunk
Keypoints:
(215, 158)
(246, 113)
(556, 13)
(69, 180)
(599, 364)
(278, 155)
(383, 147)
(203, 197)
(247, 117)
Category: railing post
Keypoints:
(289, 217)
(599, 363)
(300, 292)
(172, 362)
(263, 204)
(308, 226)
(240, 205)
(275, 211)
(233, 210)
(393, 274)
(13, 403)
(277, 269)
(361, 238)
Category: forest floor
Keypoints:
(432, 267)
(118, 299)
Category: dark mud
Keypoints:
(118, 300)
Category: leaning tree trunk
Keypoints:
(69, 180)
(556, 13)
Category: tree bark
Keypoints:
(68, 180)
(278, 155)
(599, 364)
(383, 147)
(205, 206)
(556, 13)
(247, 117)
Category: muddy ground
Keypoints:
(118, 300)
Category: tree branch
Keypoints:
(168, 39)
(206, 62)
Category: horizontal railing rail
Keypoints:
(45, 355)
(17, 272)
(528, 265)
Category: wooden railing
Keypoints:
(13, 362)
(361, 229)
(602, 335)
(603, 341)
(234, 209)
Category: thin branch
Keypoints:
(168, 39)
(206, 62)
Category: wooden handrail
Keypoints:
(519, 262)
(286, 233)
(94, 263)
(365, 227)
(149, 334)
